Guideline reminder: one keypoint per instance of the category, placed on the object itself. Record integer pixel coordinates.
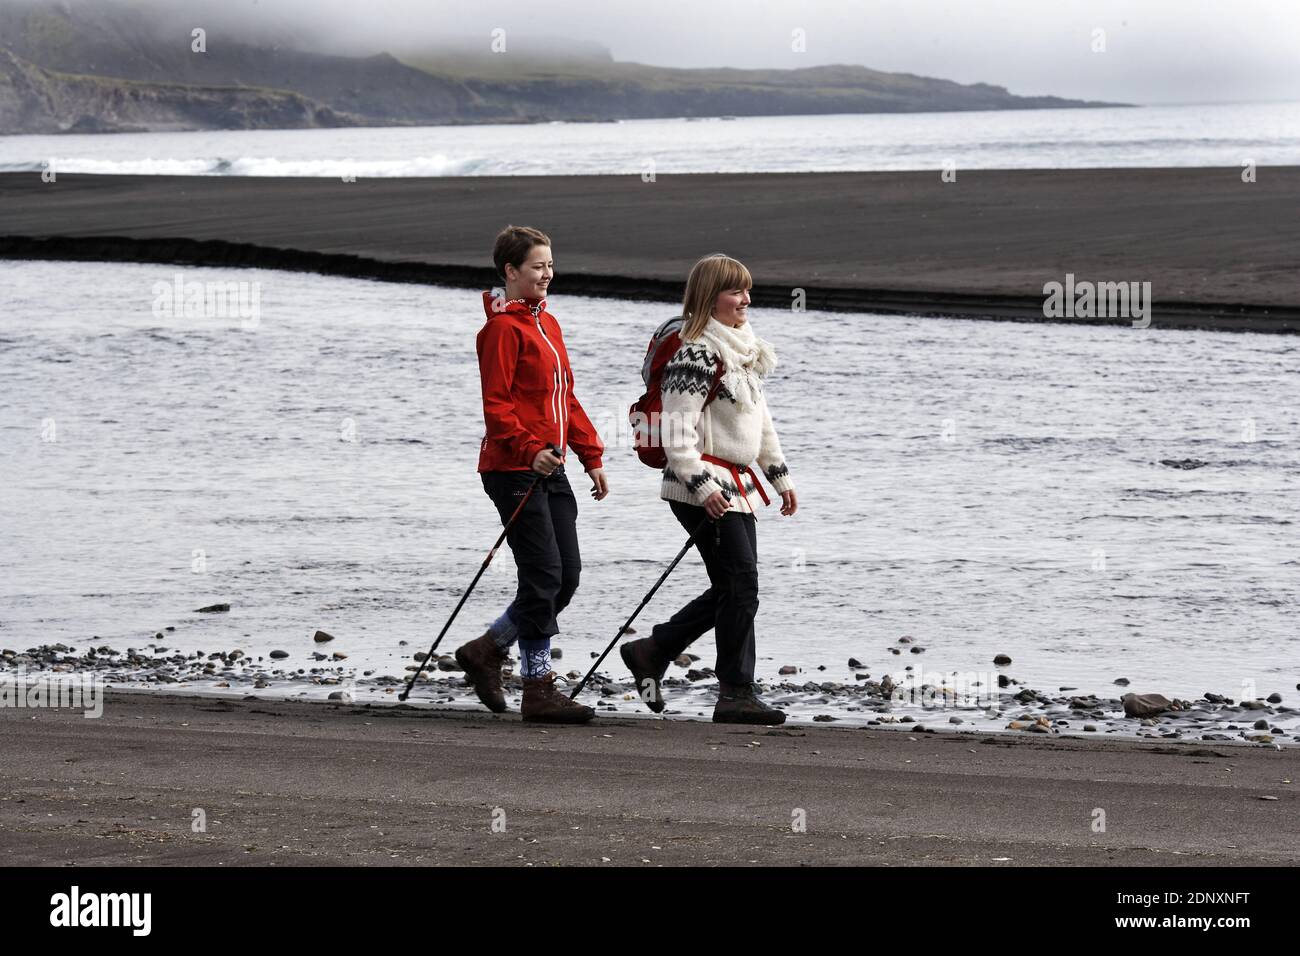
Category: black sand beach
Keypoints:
(1218, 252)
(306, 784)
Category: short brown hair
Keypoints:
(513, 245)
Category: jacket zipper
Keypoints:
(558, 386)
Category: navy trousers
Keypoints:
(730, 551)
(544, 541)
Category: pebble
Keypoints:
(854, 662)
(556, 653)
(1261, 724)
(1145, 705)
(1275, 698)
(279, 655)
(212, 609)
(683, 660)
(788, 669)
(1002, 660)
(320, 637)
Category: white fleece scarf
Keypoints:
(747, 360)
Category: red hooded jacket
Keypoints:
(528, 399)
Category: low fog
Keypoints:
(1155, 51)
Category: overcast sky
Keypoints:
(1157, 51)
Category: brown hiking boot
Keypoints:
(738, 704)
(647, 664)
(481, 660)
(542, 702)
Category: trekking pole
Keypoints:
(644, 601)
(483, 567)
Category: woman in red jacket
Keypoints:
(529, 406)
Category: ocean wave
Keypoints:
(268, 166)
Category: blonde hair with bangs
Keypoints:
(712, 275)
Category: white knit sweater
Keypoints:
(736, 426)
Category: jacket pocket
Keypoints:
(535, 374)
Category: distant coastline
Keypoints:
(108, 66)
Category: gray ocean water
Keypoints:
(981, 487)
(1222, 134)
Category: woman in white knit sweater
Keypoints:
(712, 430)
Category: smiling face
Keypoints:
(532, 277)
(731, 306)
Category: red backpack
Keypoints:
(646, 411)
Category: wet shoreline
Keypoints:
(866, 701)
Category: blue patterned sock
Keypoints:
(535, 657)
(503, 631)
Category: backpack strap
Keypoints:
(656, 347)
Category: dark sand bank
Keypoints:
(300, 783)
(1219, 253)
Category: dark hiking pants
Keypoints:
(544, 541)
(729, 548)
